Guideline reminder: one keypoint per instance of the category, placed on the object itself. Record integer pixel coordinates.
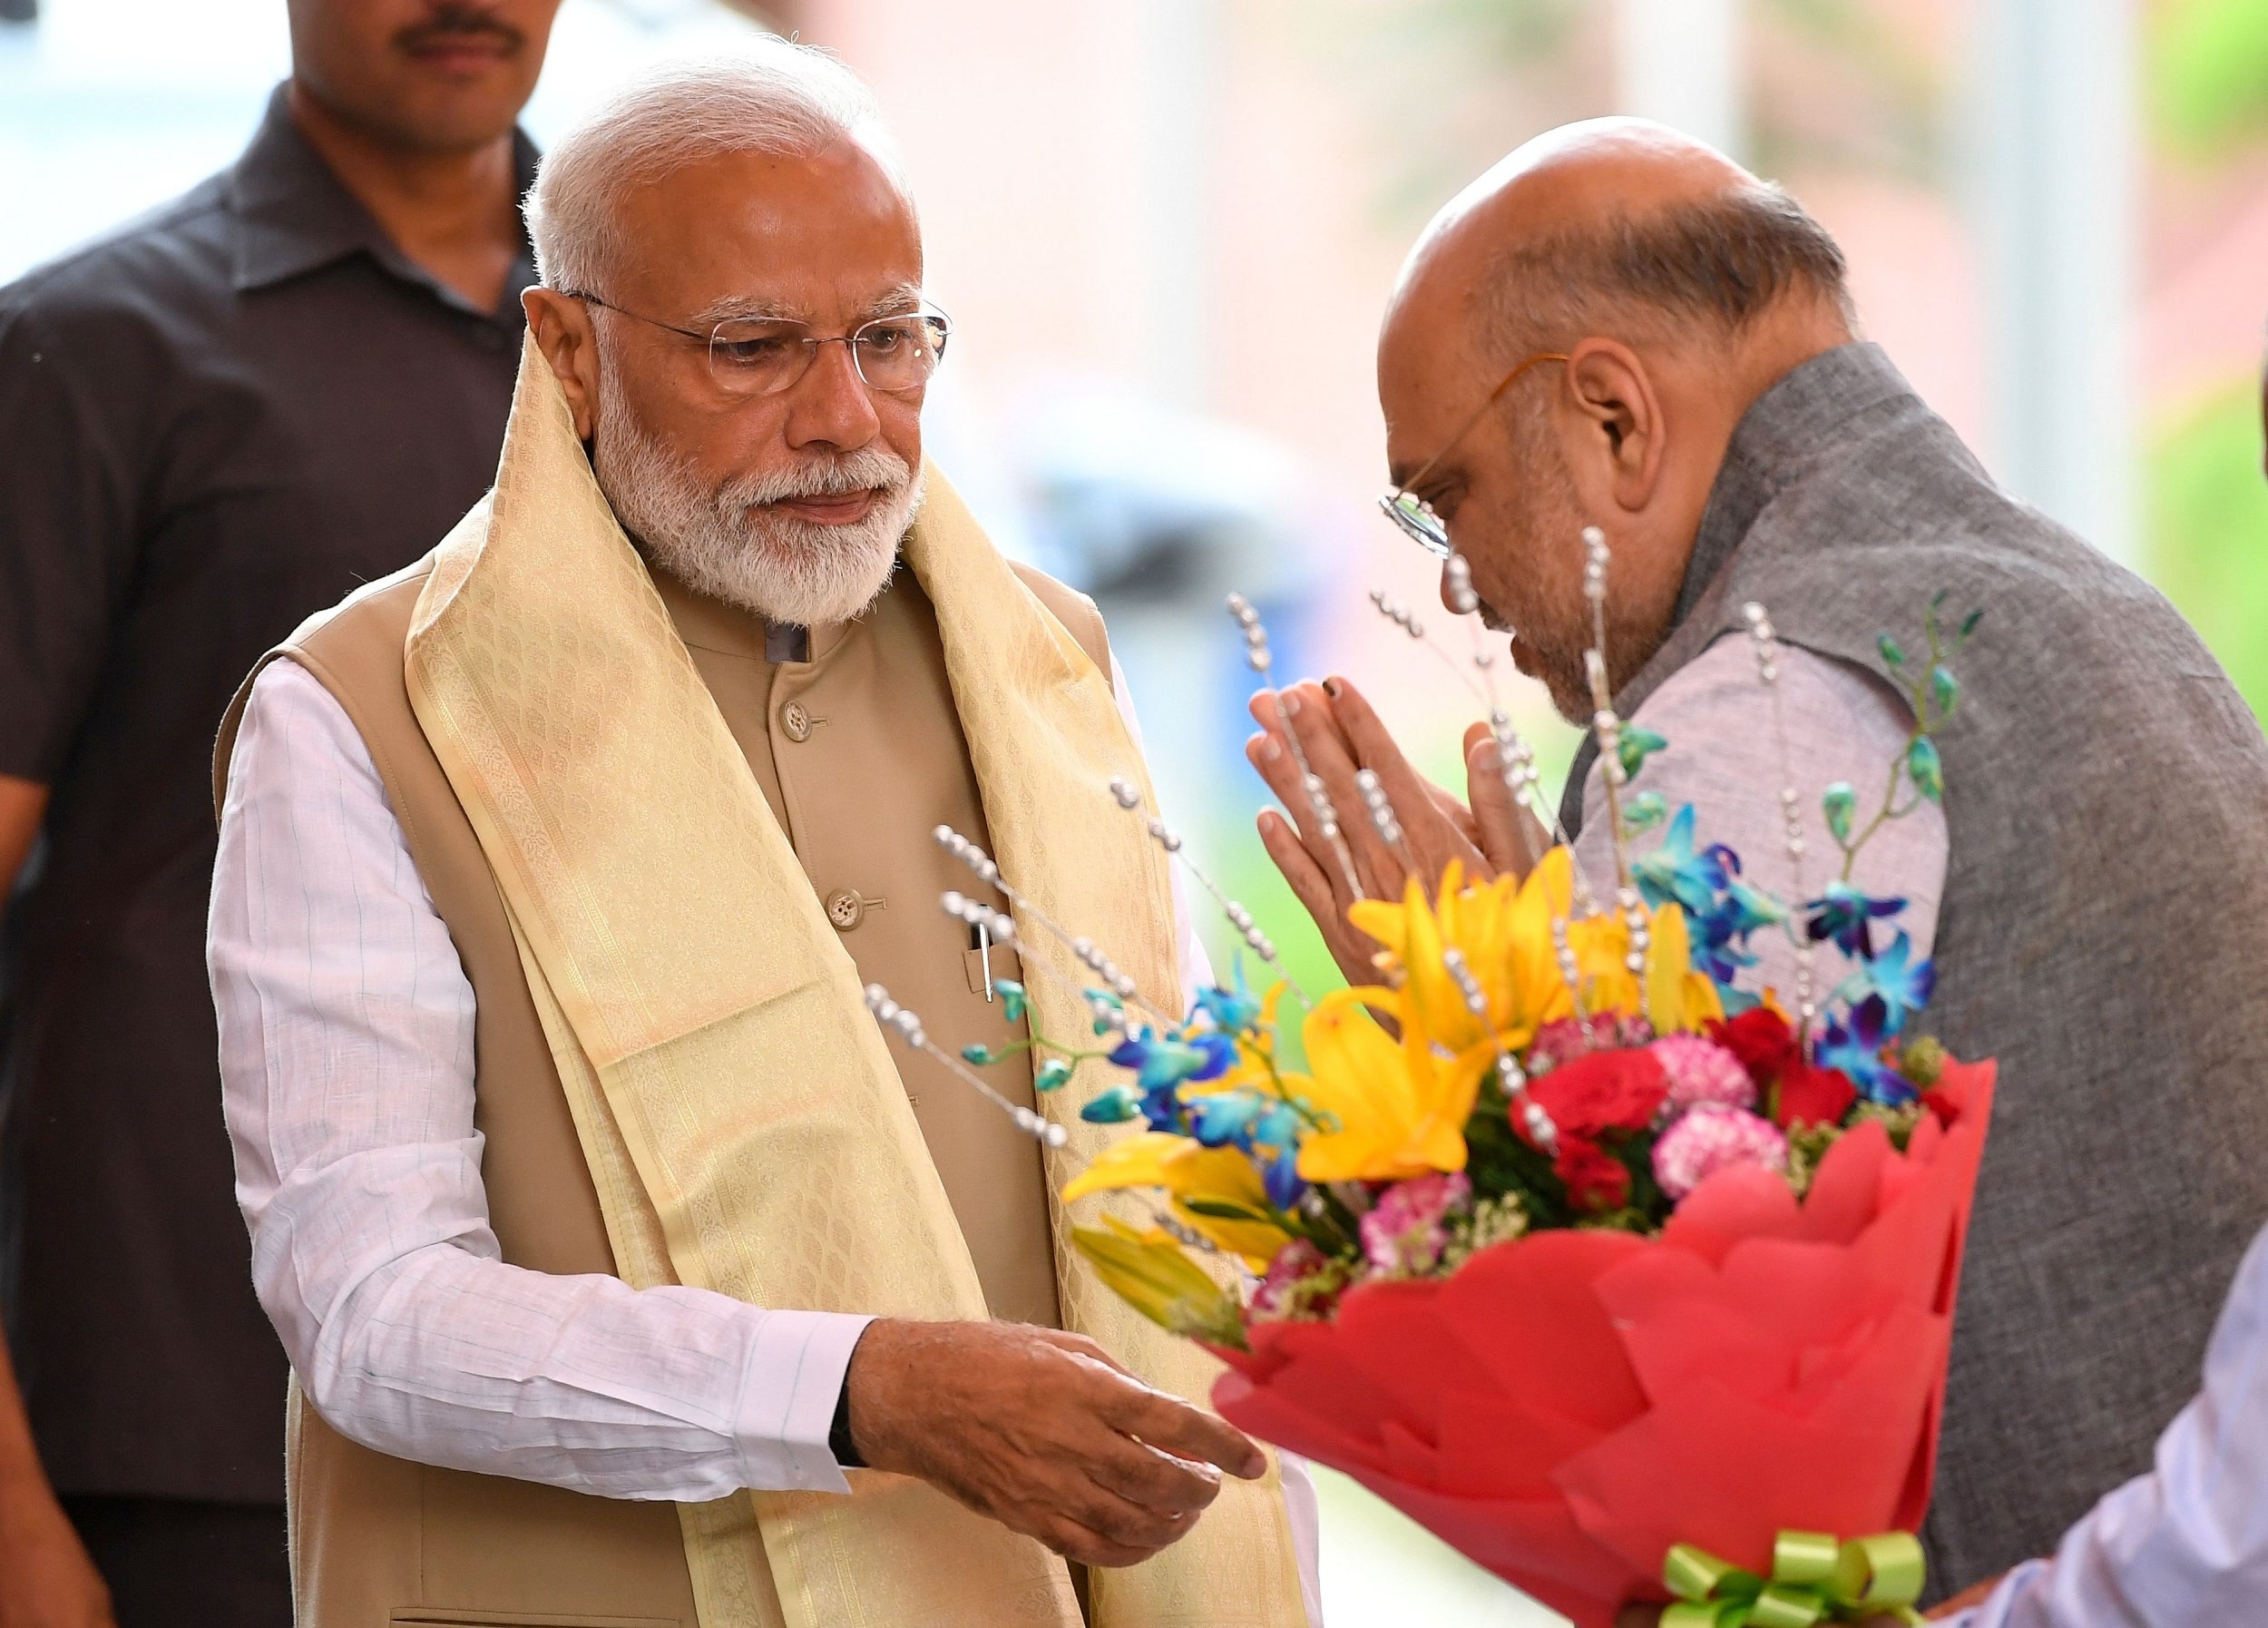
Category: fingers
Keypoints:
(1156, 1480)
(1311, 884)
(1115, 1520)
(1321, 895)
(1191, 1432)
(1512, 838)
(1378, 869)
(1079, 1345)
(1075, 1542)
(1432, 834)
(1268, 753)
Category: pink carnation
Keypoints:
(1708, 1139)
(1702, 1072)
(1404, 1232)
(1296, 1260)
(1563, 1042)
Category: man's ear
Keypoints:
(1618, 455)
(563, 333)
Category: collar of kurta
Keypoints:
(741, 1114)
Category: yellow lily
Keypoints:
(1675, 999)
(1153, 1274)
(1222, 1178)
(1503, 928)
(1399, 1109)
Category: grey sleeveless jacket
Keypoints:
(2104, 931)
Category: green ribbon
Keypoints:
(1814, 1579)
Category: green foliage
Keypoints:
(1636, 745)
(1924, 769)
(1933, 692)
(2208, 67)
(1840, 803)
(1644, 811)
(2207, 533)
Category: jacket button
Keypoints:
(844, 909)
(795, 722)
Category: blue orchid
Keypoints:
(1264, 1128)
(1855, 1049)
(1677, 870)
(1163, 1063)
(1720, 933)
(1160, 1061)
(1234, 1010)
(1279, 1173)
(1225, 1117)
(1893, 977)
(1718, 948)
(1844, 915)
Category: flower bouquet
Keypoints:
(1626, 1281)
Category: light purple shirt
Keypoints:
(1730, 754)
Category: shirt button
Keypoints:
(795, 722)
(844, 909)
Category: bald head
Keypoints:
(1620, 224)
(1654, 288)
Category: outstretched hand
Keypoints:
(1342, 734)
(1041, 1431)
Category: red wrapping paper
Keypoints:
(1570, 1404)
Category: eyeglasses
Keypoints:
(760, 356)
(1411, 513)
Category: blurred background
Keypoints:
(1165, 229)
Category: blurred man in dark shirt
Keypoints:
(218, 420)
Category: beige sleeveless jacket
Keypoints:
(860, 753)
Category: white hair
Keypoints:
(775, 97)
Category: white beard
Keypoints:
(727, 543)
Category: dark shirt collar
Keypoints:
(1784, 430)
(293, 216)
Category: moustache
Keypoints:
(450, 23)
(870, 469)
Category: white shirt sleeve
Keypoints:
(2186, 1545)
(1726, 758)
(347, 1070)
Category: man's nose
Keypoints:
(830, 405)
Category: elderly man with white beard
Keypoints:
(603, 1231)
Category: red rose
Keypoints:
(1595, 1182)
(1811, 1096)
(1762, 1039)
(1605, 1091)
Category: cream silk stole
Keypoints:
(744, 1122)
